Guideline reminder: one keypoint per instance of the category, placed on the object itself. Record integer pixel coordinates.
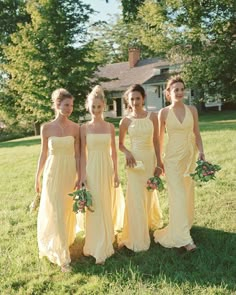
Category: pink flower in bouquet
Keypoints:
(82, 200)
(204, 171)
(154, 183)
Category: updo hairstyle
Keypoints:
(58, 96)
(96, 93)
(132, 88)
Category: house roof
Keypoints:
(122, 76)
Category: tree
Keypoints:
(50, 52)
(198, 34)
(12, 12)
(130, 9)
(110, 46)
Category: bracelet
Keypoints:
(159, 168)
(201, 153)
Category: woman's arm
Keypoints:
(197, 134)
(77, 154)
(130, 160)
(161, 124)
(42, 158)
(83, 155)
(114, 156)
(156, 144)
(161, 120)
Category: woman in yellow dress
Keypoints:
(181, 123)
(60, 157)
(142, 210)
(99, 174)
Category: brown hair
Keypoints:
(58, 96)
(96, 93)
(132, 88)
(172, 80)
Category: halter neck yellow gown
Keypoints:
(179, 161)
(142, 210)
(56, 220)
(101, 224)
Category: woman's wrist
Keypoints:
(158, 167)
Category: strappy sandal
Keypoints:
(191, 247)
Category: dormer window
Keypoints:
(164, 70)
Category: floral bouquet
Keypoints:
(154, 183)
(204, 171)
(82, 199)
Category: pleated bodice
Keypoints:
(99, 142)
(141, 134)
(61, 146)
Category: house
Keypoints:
(151, 73)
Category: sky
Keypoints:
(105, 10)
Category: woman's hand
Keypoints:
(201, 156)
(77, 184)
(159, 170)
(83, 182)
(37, 186)
(130, 160)
(116, 181)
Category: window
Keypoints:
(164, 70)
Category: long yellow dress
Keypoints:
(99, 226)
(56, 220)
(142, 210)
(179, 161)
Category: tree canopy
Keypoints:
(201, 35)
(49, 52)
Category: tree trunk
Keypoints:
(36, 128)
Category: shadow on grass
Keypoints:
(21, 142)
(213, 264)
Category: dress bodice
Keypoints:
(181, 139)
(141, 133)
(61, 145)
(98, 142)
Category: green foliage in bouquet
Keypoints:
(155, 182)
(33, 207)
(204, 171)
(82, 199)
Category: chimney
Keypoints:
(134, 56)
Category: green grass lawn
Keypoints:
(210, 270)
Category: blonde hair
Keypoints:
(58, 96)
(96, 93)
(172, 80)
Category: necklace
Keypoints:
(62, 128)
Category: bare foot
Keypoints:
(66, 268)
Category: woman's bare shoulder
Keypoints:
(125, 121)
(162, 114)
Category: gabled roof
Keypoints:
(122, 76)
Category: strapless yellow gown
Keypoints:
(179, 161)
(142, 210)
(56, 220)
(101, 224)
